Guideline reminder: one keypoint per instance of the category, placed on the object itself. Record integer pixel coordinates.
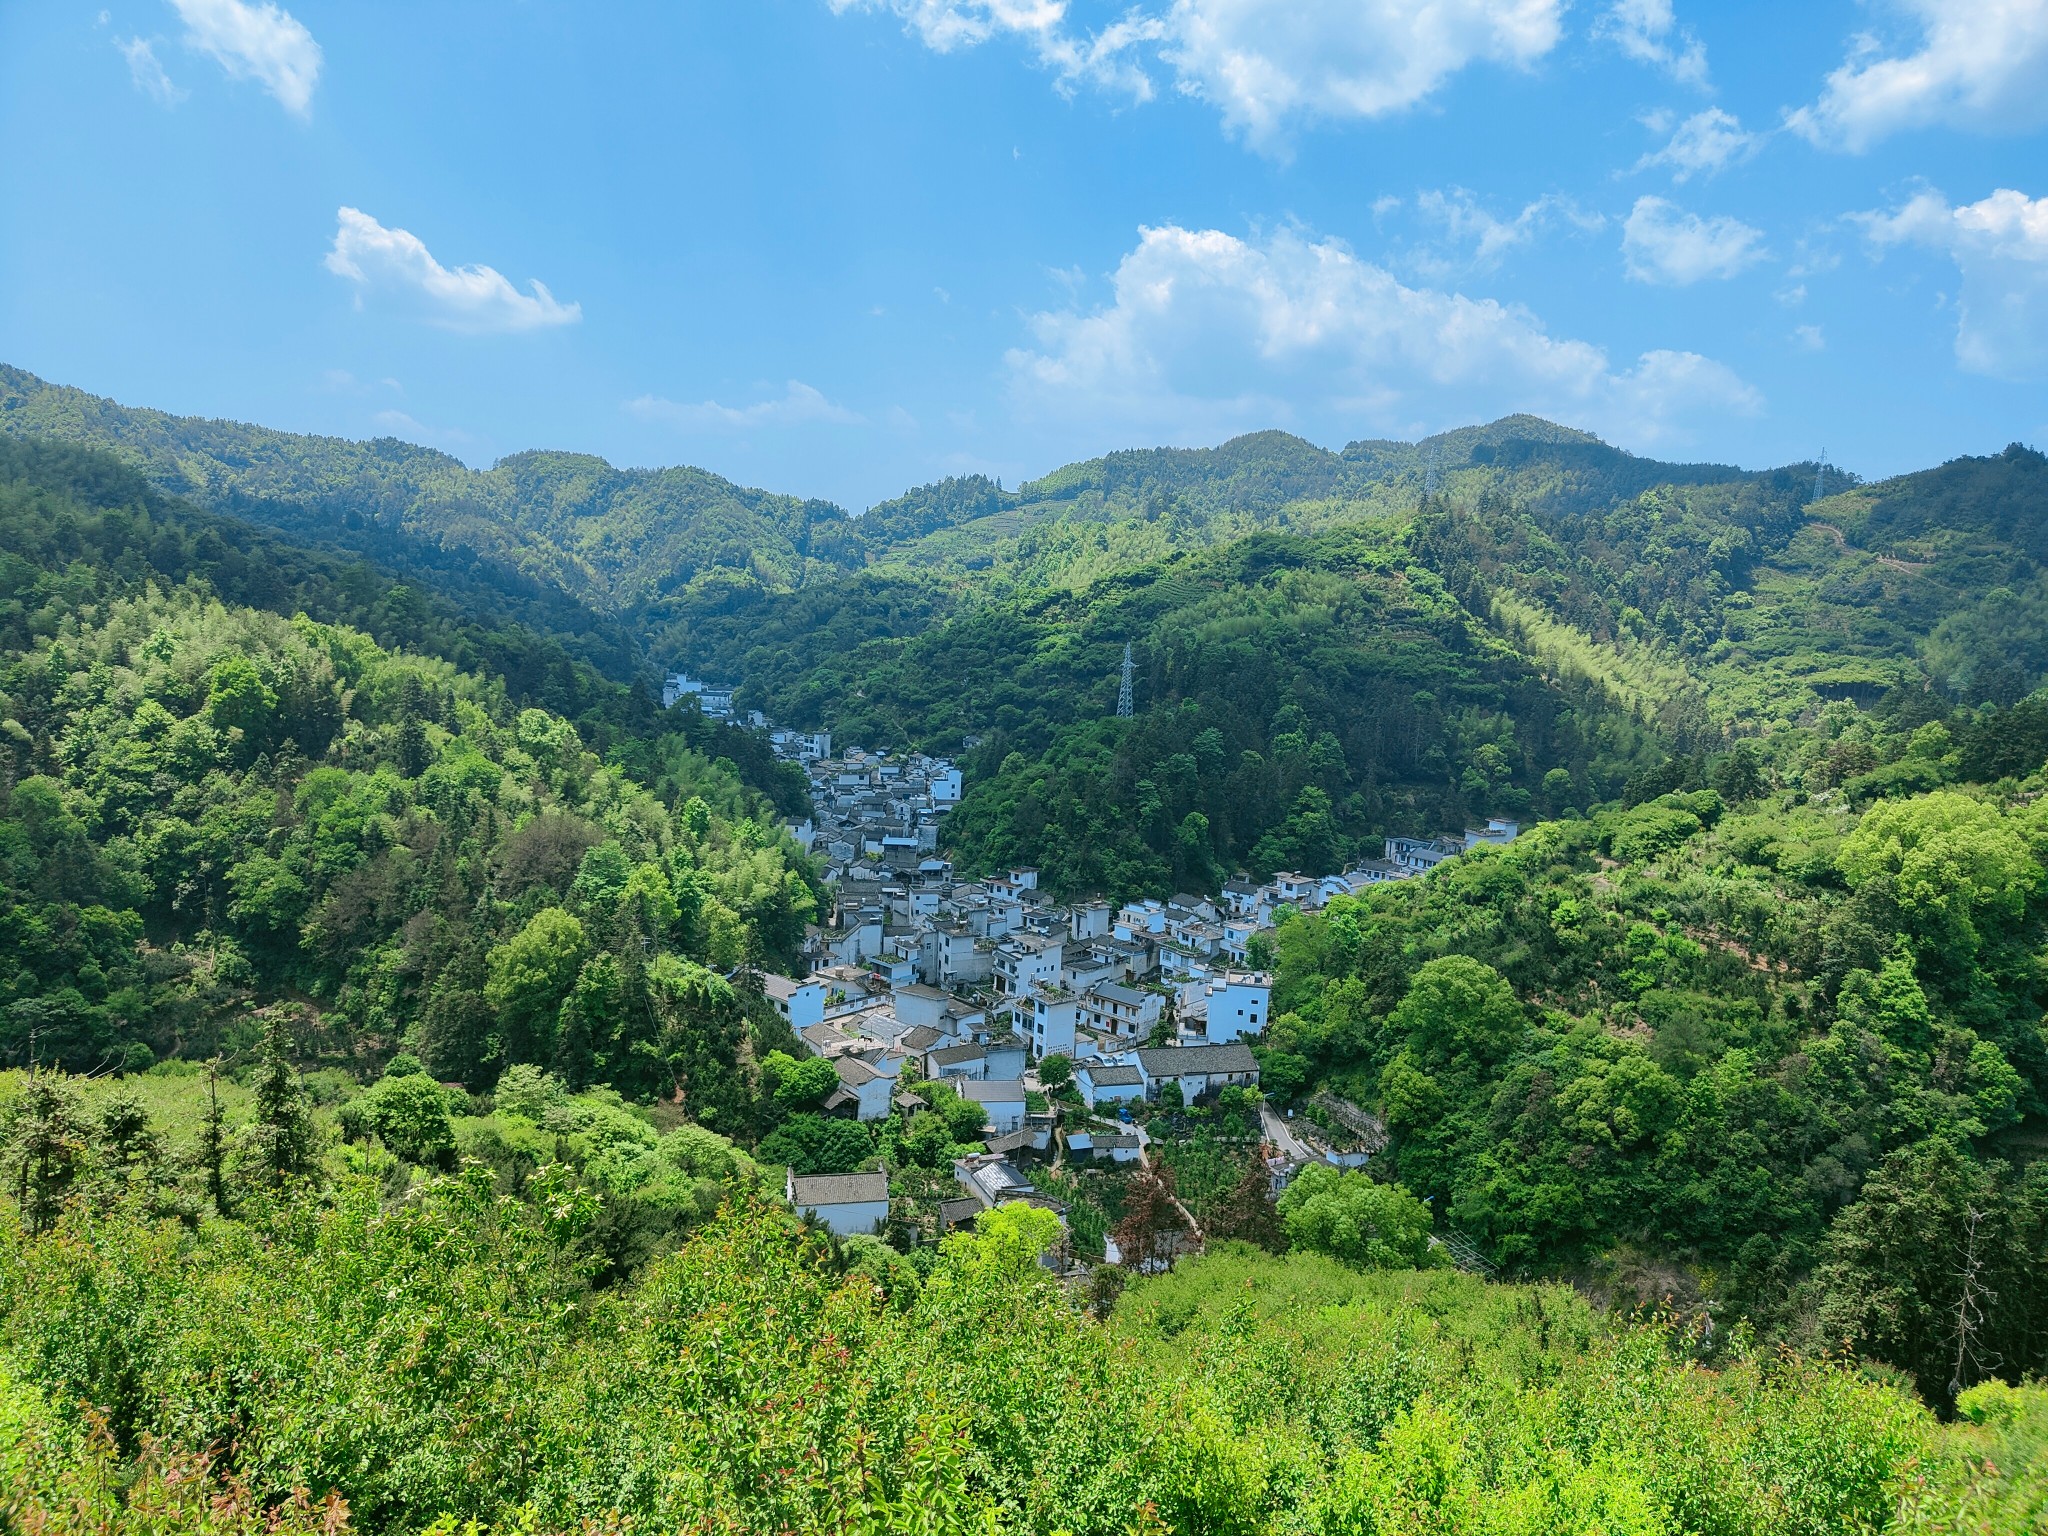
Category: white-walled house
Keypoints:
(921, 1006)
(847, 1203)
(1084, 968)
(950, 954)
(1053, 1017)
(1419, 855)
(1240, 1003)
(1304, 891)
(1001, 1100)
(1497, 831)
(1089, 920)
(950, 1062)
(1141, 919)
(1023, 961)
(1126, 1013)
(1005, 1057)
(1199, 1069)
(868, 1091)
(1109, 1082)
(801, 1003)
(1117, 1146)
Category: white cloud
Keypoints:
(2001, 246)
(1102, 59)
(473, 298)
(1978, 64)
(799, 405)
(1648, 32)
(1208, 334)
(147, 71)
(1480, 241)
(1263, 64)
(256, 42)
(1810, 338)
(1705, 143)
(1662, 243)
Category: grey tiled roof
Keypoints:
(996, 1091)
(1173, 1061)
(816, 1191)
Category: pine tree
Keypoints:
(213, 1141)
(48, 1143)
(283, 1133)
(129, 1147)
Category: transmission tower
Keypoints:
(1820, 469)
(1429, 473)
(1125, 703)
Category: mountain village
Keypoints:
(998, 991)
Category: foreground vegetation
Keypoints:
(357, 1348)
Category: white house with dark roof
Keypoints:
(1109, 1082)
(1117, 1146)
(1123, 1012)
(917, 1004)
(801, 1003)
(1088, 965)
(1024, 960)
(1090, 920)
(1005, 1057)
(826, 1039)
(948, 1062)
(1497, 831)
(860, 1085)
(1054, 1014)
(1199, 1069)
(1419, 855)
(849, 1204)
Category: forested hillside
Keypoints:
(211, 808)
(1301, 696)
(564, 523)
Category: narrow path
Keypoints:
(1282, 1135)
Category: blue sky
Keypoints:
(841, 247)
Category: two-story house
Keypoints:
(1240, 1003)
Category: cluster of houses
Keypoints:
(977, 992)
(875, 816)
(921, 977)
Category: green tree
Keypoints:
(1459, 1010)
(798, 1085)
(130, 1148)
(812, 1143)
(1952, 863)
(48, 1143)
(1351, 1217)
(1008, 1240)
(409, 1114)
(591, 1020)
(528, 976)
(280, 1142)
